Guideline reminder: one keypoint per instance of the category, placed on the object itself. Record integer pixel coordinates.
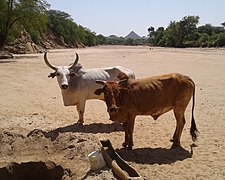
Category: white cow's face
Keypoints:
(63, 73)
(63, 77)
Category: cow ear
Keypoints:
(72, 73)
(52, 75)
(98, 91)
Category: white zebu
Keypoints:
(78, 84)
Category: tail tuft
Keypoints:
(193, 131)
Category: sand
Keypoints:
(36, 127)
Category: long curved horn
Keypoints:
(75, 61)
(48, 63)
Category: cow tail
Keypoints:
(193, 130)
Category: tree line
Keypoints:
(36, 17)
(185, 33)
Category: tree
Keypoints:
(90, 38)
(189, 27)
(21, 12)
(178, 34)
(158, 36)
(100, 39)
(170, 35)
(151, 31)
(203, 41)
(63, 25)
(175, 34)
(206, 29)
(220, 40)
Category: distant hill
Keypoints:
(132, 35)
(132, 39)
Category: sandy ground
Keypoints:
(35, 126)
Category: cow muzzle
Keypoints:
(64, 86)
(113, 109)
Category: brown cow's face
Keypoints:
(113, 96)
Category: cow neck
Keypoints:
(129, 99)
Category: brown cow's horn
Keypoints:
(75, 61)
(100, 82)
(121, 81)
(48, 63)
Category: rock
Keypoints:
(79, 45)
(49, 40)
(5, 55)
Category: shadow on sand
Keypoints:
(156, 155)
(89, 128)
(7, 61)
(139, 155)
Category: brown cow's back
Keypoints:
(157, 95)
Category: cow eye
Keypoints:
(57, 74)
(107, 93)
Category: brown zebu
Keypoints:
(127, 98)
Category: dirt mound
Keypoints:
(36, 155)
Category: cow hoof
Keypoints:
(124, 145)
(175, 146)
(129, 148)
(80, 123)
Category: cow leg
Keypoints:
(125, 128)
(180, 122)
(130, 131)
(80, 110)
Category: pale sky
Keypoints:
(120, 17)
